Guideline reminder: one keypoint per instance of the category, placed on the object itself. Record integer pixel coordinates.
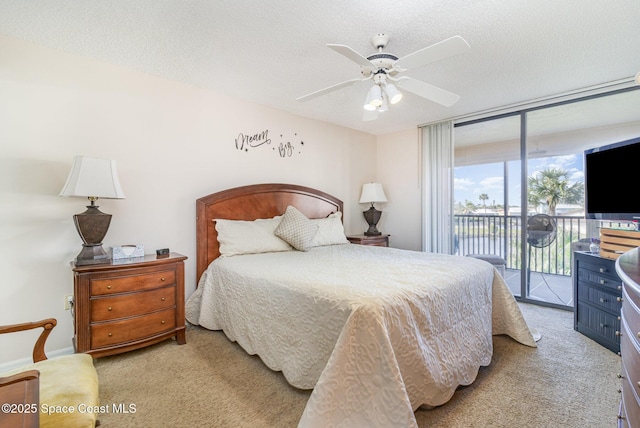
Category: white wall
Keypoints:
(173, 143)
(398, 169)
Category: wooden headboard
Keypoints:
(250, 203)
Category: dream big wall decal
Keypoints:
(285, 147)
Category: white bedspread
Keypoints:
(376, 332)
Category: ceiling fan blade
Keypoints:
(430, 92)
(351, 54)
(329, 89)
(441, 50)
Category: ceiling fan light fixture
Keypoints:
(383, 66)
(369, 107)
(374, 97)
(394, 94)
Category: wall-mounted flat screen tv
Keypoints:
(611, 182)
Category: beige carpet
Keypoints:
(568, 381)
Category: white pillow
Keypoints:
(330, 231)
(296, 229)
(249, 237)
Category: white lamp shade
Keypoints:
(374, 97)
(372, 192)
(369, 107)
(91, 177)
(394, 94)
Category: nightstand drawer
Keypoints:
(101, 286)
(601, 323)
(132, 304)
(118, 332)
(601, 277)
(600, 298)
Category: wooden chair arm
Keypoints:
(19, 377)
(38, 349)
(20, 399)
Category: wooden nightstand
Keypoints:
(128, 304)
(377, 241)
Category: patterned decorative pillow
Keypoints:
(296, 229)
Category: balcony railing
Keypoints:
(501, 235)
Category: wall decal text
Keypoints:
(286, 148)
(244, 141)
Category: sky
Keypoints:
(471, 181)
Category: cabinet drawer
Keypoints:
(630, 387)
(599, 278)
(117, 332)
(599, 265)
(132, 304)
(631, 314)
(121, 284)
(603, 324)
(630, 350)
(631, 409)
(600, 298)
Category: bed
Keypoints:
(376, 332)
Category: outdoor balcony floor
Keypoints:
(550, 288)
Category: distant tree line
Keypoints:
(548, 188)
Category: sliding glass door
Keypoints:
(519, 192)
(487, 193)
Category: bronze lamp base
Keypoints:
(92, 225)
(372, 216)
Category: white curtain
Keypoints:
(436, 144)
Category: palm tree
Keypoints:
(551, 186)
(469, 206)
(483, 197)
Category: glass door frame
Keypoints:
(522, 113)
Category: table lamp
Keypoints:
(372, 193)
(92, 178)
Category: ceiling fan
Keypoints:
(384, 70)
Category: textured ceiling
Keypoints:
(274, 52)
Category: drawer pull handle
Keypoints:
(603, 300)
(603, 282)
(638, 335)
(162, 322)
(109, 308)
(163, 299)
(163, 279)
(619, 287)
(618, 299)
(108, 287)
(110, 334)
(618, 333)
(602, 325)
(619, 376)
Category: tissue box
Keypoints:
(127, 252)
